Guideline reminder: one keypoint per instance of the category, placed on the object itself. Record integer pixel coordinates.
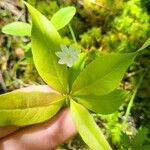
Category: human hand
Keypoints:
(44, 136)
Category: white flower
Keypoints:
(68, 55)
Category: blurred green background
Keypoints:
(100, 26)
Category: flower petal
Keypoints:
(59, 54)
(61, 61)
(68, 55)
(64, 48)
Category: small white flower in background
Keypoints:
(68, 55)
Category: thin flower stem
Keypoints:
(131, 102)
(134, 95)
(72, 33)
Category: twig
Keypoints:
(11, 6)
(2, 83)
(26, 14)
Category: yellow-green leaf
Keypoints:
(63, 16)
(17, 28)
(103, 75)
(29, 105)
(45, 42)
(87, 128)
(105, 104)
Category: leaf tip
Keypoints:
(25, 2)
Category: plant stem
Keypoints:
(131, 102)
(134, 95)
(26, 13)
(72, 33)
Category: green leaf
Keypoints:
(76, 69)
(63, 17)
(60, 19)
(17, 28)
(143, 147)
(140, 137)
(145, 45)
(105, 104)
(125, 141)
(89, 131)
(29, 106)
(103, 75)
(45, 42)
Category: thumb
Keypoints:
(43, 136)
